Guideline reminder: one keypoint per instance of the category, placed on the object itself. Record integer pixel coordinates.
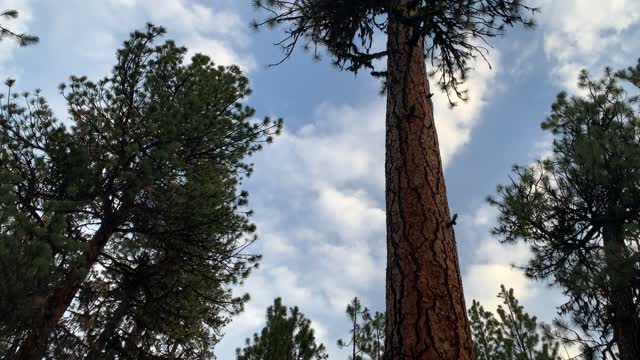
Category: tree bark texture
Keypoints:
(425, 312)
(625, 316)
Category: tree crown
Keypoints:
(563, 206)
(152, 156)
(455, 32)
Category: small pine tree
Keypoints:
(513, 336)
(284, 337)
(367, 333)
(355, 313)
(485, 330)
(373, 335)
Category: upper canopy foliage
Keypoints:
(455, 31)
(152, 156)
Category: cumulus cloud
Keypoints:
(589, 34)
(98, 27)
(492, 262)
(214, 30)
(80, 37)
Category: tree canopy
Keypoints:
(579, 210)
(366, 341)
(122, 231)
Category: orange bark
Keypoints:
(426, 313)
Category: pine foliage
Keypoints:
(366, 341)
(22, 38)
(513, 335)
(454, 31)
(579, 210)
(151, 161)
(285, 337)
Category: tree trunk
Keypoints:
(426, 313)
(353, 339)
(626, 320)
(35, 345)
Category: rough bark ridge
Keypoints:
(626, 323)
(426, 313)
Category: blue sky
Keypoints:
(318, 190)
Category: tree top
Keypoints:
(454, 31)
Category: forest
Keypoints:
(320, 179)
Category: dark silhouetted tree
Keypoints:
(122, 233)
(579, 210)
(285, 337)
(425, 315)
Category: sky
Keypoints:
(318, 190)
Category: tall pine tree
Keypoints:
(426, 316)
(121, 234)
(579, 211)
(284, 337)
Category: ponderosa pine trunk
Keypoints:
(34, 346)
(425, 312)
(626, 321)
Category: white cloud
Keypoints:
(455, 125)
(81, 37)
(354, 212)
(493, 262)
(484, 216)
(589, 34)
(482, 283)
(215, 30)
